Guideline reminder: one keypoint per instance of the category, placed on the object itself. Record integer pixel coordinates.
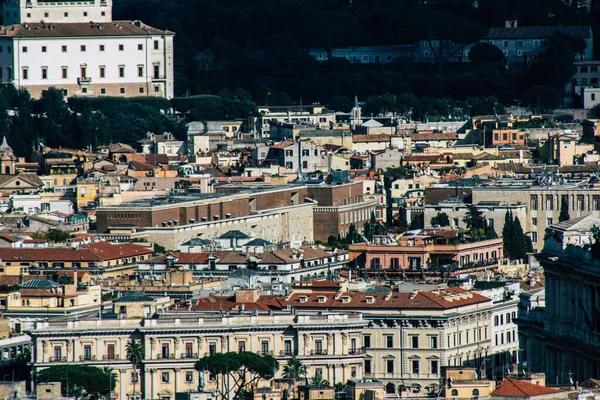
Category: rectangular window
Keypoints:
(44, 49)
(533, 202)
(390, 366)
(389, 341)
(549, 202)
(318, 347)
(414, 342)
(141, 90)
(156, 72)
(433, 342)
(367, 341)
(87, 352)
(548, 221)
(110, 351)
(102, 71)
(264, 347)
(140, 46)
(82, 47)
(25, 73)
(156, 45)
(57, 352)
(121, 47)
(165, 377)
(433, 368)
(135, 377)
(288, 348)
(189, 350)
(415, 366)
(212, 349)
(189, 376)
(101, 47)
(534, 238)
(140, 71)
(165, 350)
(121, 71)
(367, 366)
(44, 72)
(65, 72)
(534, 221)
(64, 49)
(24, 49)
(102, 90)
(66, 15)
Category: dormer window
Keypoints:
(303, 299)
(370, 300)
(322, 299)
(346, 299)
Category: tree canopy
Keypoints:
(477, 224)
(244, 369)
(440, 219)
(78, 380)
(516, 243)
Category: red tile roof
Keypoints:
(371, 138)
(439, 300)
(434, 136)
(91, 29)
(516, 388)
(100, 251)
(283, 145)
(225, 303)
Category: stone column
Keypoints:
(154, 384)
(99, 350)
(330, 347)
(147, 384)
(177, 384)
(123, 384)
(76, 344)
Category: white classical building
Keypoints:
(77, 47)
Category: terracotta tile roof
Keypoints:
(91, 252)
(438, 300)
(225, 303)
(434, 136)
(371, 138)
(283, 145)
(516, 388)
(89, 29)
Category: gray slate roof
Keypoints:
(39, 284)
(259, 242)
(537, 32)
(234, 234)
(133, 298)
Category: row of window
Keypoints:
(415, 366)
(414, 341)
(83, 48)
(510, 317)
(65, 14)
(83, 72)
(519, 42)
(575, 203)
(510, 337)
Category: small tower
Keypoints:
(7, 159)
(356, 117)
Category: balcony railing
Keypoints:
(189, 355)
(165, 356)
(288, 353)
(84, 80)
(87, 358)
(110, 357)
(57, 359)
(319, 352)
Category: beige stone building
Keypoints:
(543, 204)
(174, 339)
(411, 336)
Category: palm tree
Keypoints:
(135, 354)
(294, 369)
(111, 377)
(318, 380)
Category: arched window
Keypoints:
(454, 392)
(390, 388)
(475, 392)
(7, 170)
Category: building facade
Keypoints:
(328, 345)
(55, 45)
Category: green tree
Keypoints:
(478, 225)
(440, 219)
(485, 53)
(58, 236)
(564, 210)
(236, 372)
(318, 380)
(78, 380)
(294, 369)
(135, 355)
(516, 243)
